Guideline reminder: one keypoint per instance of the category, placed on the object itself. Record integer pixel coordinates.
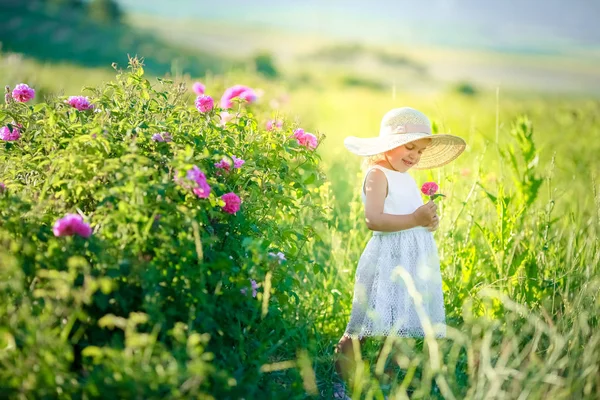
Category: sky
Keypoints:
(518, 25)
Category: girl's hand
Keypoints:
(436, 222)
(424, 215)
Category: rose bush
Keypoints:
(145, 290)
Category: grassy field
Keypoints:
(519, 228)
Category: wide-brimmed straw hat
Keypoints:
(400, 126)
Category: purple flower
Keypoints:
(237, 162)
(279, 256)
(71, 224)
(202, 188)
(23, 93)
(10, 135)
(81, 103)
(162, 137)
(254, 287)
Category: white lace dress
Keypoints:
(398, 284)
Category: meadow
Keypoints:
(157, 303)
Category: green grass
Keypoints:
(521, 265)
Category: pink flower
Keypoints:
(162, 137)
(232, 203)
(225, 118)
(429, 188)
(273, 124)
(223, 164)
(70, 225)
(204, 103)
(305, 139)
(202, 189)
(2, 187)
(198, 88)
(226, 165)
(81, 103)
(10, 135)
(23, 93)
(237, 91)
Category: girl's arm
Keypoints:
(376, 192)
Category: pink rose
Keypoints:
(71, 224)
(232, 203)
(23, 93)
(204, 103)
(198, 88)
(81, 103)
(429, 188)
(237, 91)
(10, 135)
(306, 139)
(274, 124)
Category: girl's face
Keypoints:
(406, 156)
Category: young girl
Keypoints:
(402, 248)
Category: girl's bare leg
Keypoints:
(347, 352)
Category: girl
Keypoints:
(402, 253)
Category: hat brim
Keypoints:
(443, 149)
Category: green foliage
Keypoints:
(151, 305)
(105, 11)
(265, 65)
(69, 30)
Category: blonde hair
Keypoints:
(369, 161)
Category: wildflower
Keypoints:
(2, 188)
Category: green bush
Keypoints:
(158, 301)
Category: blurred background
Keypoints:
(548, 46)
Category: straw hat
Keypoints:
(400, 126)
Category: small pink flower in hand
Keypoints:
(430, 189)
